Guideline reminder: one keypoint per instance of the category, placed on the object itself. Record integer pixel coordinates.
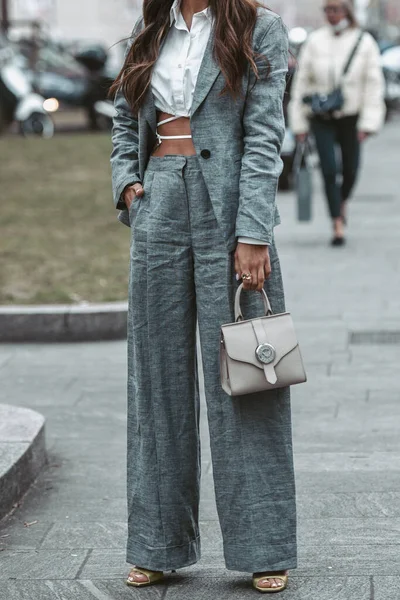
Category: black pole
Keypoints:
(4, 15)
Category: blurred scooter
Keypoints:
(18, 102)
(100, 108)
(390, 62)
(105, 112)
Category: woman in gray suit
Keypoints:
(196, 164)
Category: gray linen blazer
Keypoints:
(238, 141)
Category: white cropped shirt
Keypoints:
(177, 68)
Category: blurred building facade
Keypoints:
(107, 21)
(111, 20)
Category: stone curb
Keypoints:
(63, 323)
(22, 453)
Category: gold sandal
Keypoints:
(152, 577)
(270, 590)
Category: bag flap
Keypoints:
(241, 342)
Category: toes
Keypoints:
(138, 578)
(271, 583)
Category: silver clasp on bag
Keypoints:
(266, 353)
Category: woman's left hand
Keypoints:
(363, 135)
(251, 259)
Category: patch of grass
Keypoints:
(60, 240)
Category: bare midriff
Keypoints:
(179, 127)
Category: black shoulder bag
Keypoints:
(326, 104)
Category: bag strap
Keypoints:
(352, 55)
(238, 310)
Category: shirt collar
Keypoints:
(175, 12)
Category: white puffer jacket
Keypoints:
(321, 64)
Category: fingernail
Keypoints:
(237, 277)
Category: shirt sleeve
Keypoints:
(247, 240)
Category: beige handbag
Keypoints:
(259, 354)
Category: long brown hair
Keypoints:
(233, 52)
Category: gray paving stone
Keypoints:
(37, 392)
(375, 482)
(41, 564)
(326, 437)
(90, 426)
(312, 398)
(86, 451)
(349, 560)
(367, 531)
(80, 489)
(348, 505)
(86, 534)
(23, 534)
(76, 590)
(346, 462)
(239, 587)
(362, 355)
(386, 588)
(106, 563)
(52, 499)
(49, 505)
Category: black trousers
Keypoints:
(332, 135)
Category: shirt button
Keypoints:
(180, 66)
(205, 154)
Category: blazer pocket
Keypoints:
(127, 217)
(123, 217)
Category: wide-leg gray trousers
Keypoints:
(181, 272)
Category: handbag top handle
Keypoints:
(238, 310)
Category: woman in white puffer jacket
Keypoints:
(321, 65)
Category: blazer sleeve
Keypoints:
(264, 130)
(125, 140)
(373, 110)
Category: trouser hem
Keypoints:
(274, 558)
(163, 559)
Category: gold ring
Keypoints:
(247, 277)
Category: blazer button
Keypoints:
(205, 154)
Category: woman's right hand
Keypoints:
(132, 192)
(301, 137)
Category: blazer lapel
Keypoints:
(209, 71)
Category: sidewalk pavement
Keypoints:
(67, 539)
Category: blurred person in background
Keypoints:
(357, 98)
(196, 163)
